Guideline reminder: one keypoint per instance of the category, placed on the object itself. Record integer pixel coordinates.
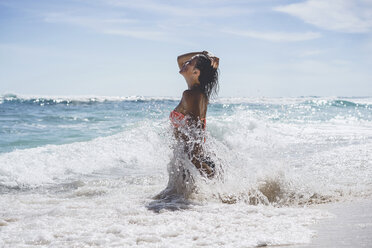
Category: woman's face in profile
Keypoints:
(186, 66)
(188, 69)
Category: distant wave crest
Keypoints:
(53, 100)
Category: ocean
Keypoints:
(84, 171)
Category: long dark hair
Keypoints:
(208, 77)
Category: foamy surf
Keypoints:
(279, 158)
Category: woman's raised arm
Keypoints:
(185, 57)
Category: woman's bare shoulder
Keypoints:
(193, 102)
(192, 96)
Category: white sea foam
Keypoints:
(120, 218)
(132, 151)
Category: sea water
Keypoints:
(83, 171)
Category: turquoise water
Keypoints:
(26, 123)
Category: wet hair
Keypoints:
(208, 77)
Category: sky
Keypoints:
(267, 48)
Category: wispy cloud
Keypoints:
(339, 15)
(85, 21)
(152, 20)
(275, 36)
(145, 34)
(112, 26)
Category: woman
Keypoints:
(189, 117)
(200, 72)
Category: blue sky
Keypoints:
(121, 48)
